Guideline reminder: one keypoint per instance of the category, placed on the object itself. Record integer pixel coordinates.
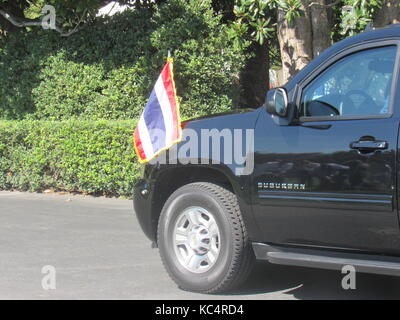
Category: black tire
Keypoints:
(236, 257)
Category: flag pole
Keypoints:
(169, 58)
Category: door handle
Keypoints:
(369, 146)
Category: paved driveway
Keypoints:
(99, 252)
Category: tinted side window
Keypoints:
(359, 84)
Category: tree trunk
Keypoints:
(388, 14)
(303, 39)
(321, 28)
(255, 76)
(295, 42)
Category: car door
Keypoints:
(329, 180)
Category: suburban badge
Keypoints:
(280, 186)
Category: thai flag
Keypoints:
(159, 126)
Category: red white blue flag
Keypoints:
(159, 126)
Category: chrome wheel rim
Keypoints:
(196, 239)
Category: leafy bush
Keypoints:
(107, 70)
(95, 157)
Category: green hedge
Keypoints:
(76, 99)
(107, 69)
(95, 157)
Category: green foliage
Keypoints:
(356, 14)
(253, 17)
(291, 7)
(69, 92)
(207, 64)
(93, 79)
(253, 22)
(256, 23)
(107, 69)
(95, 157)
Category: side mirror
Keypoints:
(277, 102)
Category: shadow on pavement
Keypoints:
(306, 283)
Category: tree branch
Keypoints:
(324, 5)
(23, 22)
(20, 23)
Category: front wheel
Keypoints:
(203, 240)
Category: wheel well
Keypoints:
(173, 179)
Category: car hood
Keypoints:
(243, 119)
(236, 119)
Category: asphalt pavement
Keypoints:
(94, 249)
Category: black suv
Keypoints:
(317, 187)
